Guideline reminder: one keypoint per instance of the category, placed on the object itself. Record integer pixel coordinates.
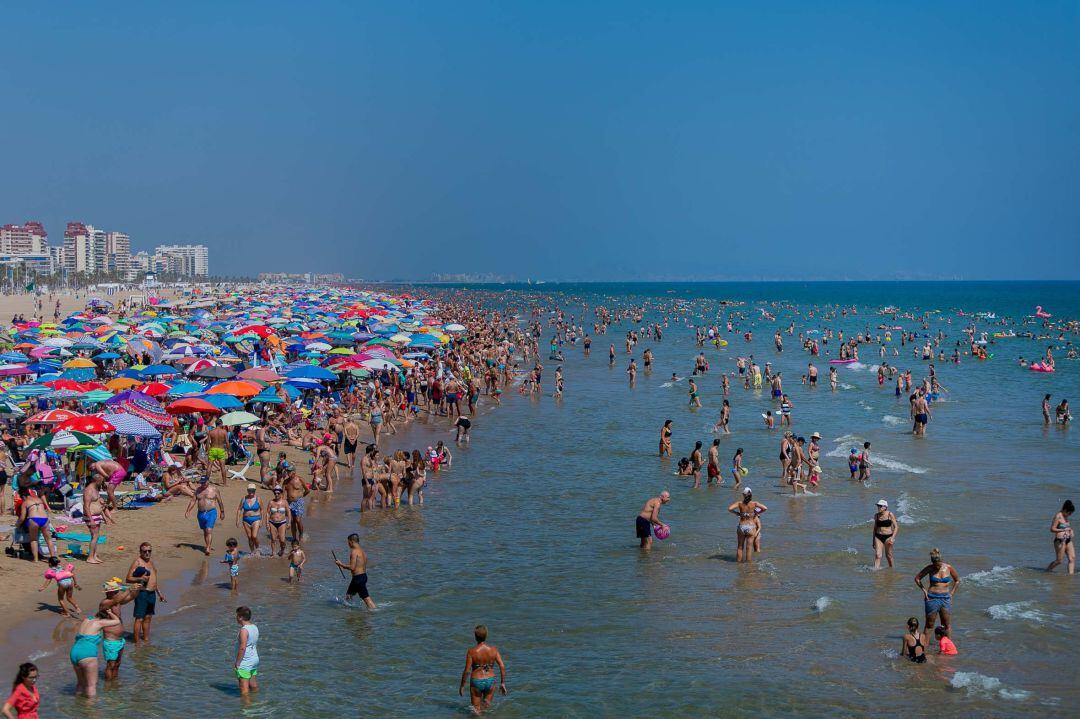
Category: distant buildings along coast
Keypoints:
(87, 251)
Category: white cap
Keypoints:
(746, 490)
(883, 503)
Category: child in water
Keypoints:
(232, 558)
(770, 421)
(296, 562)
(945, 645)
(853, 462)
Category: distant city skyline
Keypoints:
(88, 251)
(605, 141)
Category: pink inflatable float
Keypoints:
(1040, 367)
(1039, 312)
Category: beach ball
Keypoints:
(662, 531)
(745, 470)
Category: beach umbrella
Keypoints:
(149, 410)
(236, 388)
(10, 410)
(53, 416)
(261, 374)
(79, 375)
(182, 388)
(216, 372)
(14, 370)
(58, 342)
(454, 327)
(97, 395)
(379, 364)
(118, 384)
(63, 440)
(88, 424)
(237, 418)
(78, 362)
(268, 396)
(223, 401)
(311, 372)
(106, 356)
(127, 396)
(156, 370)
(319, 346)
(154, 389)
(129, 425)
(191, 405)
(304, 383)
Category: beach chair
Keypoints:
(240, 473)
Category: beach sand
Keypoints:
(177, 541)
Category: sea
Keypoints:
(531, 532)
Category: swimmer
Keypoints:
(358, 567)
(911, 646)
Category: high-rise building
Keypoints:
(78, 249)
(118, 253)
(183, 260)
(27, 239)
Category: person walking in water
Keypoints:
(358, 566)
(885, 531)
(1063, 538)
(246, 664)
(480, 663)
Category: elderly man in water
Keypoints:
(649, 517)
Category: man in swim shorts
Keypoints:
(209, 507)
(112, 474)
(358, 566)
(295, 491)
(216, 449)
(649, 517)
(113, 642)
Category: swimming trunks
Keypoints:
(922, 418)
(145, 603)
(644, 528)
(117, 477)
(111, 648)
(207, 519)
(358, 586)
(216, 454)
(297, 507)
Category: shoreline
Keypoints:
(24, 637)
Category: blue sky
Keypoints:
(557, 140)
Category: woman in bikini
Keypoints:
(277, 519)
(885, 531)
(1063, 538)
(665, 439)
(250, 511)
(34, 516)
(937, 599)
(749, 528)
(480, 663)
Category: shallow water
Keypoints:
(531, 532)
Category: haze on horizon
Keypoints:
(601, 141)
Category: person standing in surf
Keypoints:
(480, 663)
(358, 567)
(649, 517)
(937, 599)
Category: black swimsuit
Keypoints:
(917, 658)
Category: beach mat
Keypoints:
(72, 537)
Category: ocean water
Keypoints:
(531, 532)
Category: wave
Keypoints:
(844, 385)
(821, 604)
(893, 420)
(1025, 611)
(881, 462)
(41, 654)
(989, 577)
(980, 684)
(904, 507)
